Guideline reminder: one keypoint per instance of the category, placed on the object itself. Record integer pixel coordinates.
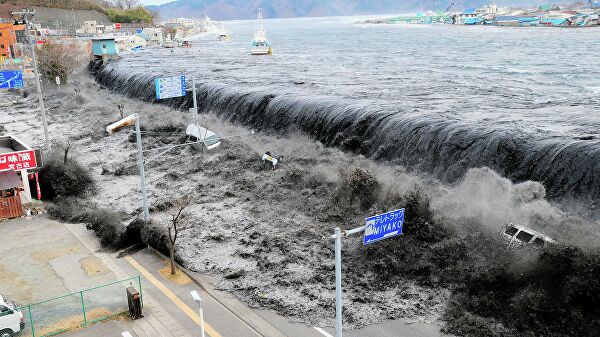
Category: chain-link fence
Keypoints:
(76, 310)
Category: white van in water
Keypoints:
(11, 318)
(519, 235)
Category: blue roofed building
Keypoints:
(467, 16)
(105, 48)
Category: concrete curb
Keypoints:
(235, 306)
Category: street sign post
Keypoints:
(376, 228)
(167, 87)
(383, 226)
(11, 79)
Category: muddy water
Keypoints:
(441, 99)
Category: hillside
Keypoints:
(244, 9)
(56, 10)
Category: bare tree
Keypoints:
(126, 4)
(59, 60)
(178, 224)
(155, 16)
(66, 148)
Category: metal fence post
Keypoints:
(338, 282)
(140, 287)
(31, 321)
(83, 309)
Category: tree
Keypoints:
(178, 216)
(59, 60)
(128, 15)
(125, 4)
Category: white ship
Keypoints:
(260, 44)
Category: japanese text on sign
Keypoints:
(383, 226)
(16, 161)
(11, 79)
(167, 87)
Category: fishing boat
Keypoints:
(223, 34)
(260, 44)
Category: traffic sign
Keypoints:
(11, 79)
(383, 226)
(117, 26)
(167, 87)
(138, 31)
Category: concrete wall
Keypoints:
(49, 17)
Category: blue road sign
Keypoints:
(167, 87)
(383, 226)
(138, 31)
(11, 79)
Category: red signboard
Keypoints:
(117, 26)
(18, 160)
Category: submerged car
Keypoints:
(520, 235)
(198, 134)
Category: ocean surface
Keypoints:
(441, 98)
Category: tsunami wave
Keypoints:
(447, 148)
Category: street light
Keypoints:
(135, 119)
(114, 127)
(198, 300)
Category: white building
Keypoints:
(130, 42)
(92, 28)
(153, 35)
(187, 23)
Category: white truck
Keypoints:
(11, 318)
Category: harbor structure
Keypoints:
(576, 15)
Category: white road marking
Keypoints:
(323, 332)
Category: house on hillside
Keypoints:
(93, 28)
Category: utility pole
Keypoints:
(74, 24)
(26, 15)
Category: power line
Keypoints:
(169, 147)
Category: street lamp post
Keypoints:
(140, 157)
(198, 300)
(135, 119)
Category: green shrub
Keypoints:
(69, 179)
(137, 14)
